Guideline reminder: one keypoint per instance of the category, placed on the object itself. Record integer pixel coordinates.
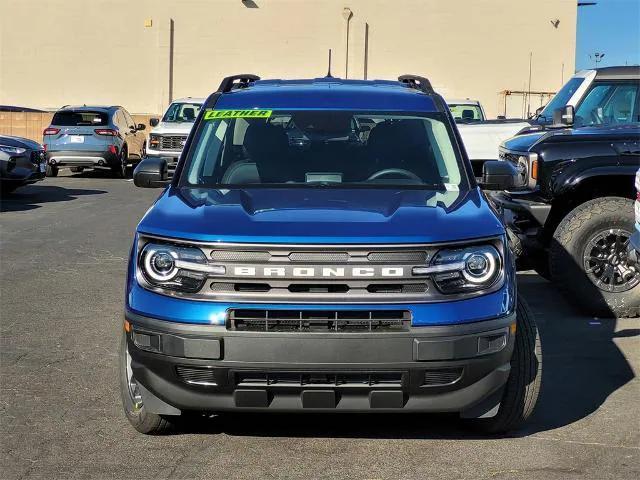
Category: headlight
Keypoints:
(171, 267)
(464, 269)
(154, 141)
(528, 170)
(12, 150)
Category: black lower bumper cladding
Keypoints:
(423, 369)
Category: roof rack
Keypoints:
(414, 81)
(244, 79)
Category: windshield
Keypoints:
(182, 112)
(466, 113)
(559, 100)
(323, 148)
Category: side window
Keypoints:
(129, 119)
(608, 104)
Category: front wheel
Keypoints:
(523, 386)
(588, 258)
(142, 420)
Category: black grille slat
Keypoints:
(196, 376)
(319, 321)
(319, 379)
(240, 256)
(443, 376)
(320, 257)
(398, 257)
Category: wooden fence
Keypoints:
(30, 125)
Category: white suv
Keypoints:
(169, 135)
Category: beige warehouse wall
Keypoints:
(100, 51)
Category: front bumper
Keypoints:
(525, 215)
(22, 169)
(171, 155)
(446, 368)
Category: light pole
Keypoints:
(597, 57)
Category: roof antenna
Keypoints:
(329, 71)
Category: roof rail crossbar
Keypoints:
(243, 81)
(414, 81)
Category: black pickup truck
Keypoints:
(571, 215)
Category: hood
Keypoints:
(522, 143)
(173, 127)
(19, 142)
(320, 215)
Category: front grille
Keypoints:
(197, 376)
(441, 376)
(319, 379)
(327, 321)
(318, 274)
(172, 142)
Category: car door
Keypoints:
(137, 136)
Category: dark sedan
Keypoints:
(22, 161)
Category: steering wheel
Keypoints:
(395, 171)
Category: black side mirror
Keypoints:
(540, 109)
(154, 122)
(141, 126)
(498, 175)
(151, 173)
(564, 115)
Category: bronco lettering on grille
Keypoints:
(318, 272)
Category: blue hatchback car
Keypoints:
(323, 246)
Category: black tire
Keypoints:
(142, 420)
(52, 171)
(523, 386)
(569, 245)
(120, 170)
(76, 169)
(6, 189)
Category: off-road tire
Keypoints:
(566, 257)
(142, 420)
(523, 386)
(51, 171)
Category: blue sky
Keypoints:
(611, 27)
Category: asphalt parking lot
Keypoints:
(64, 244)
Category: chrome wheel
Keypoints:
(132, 384)
(606, 262)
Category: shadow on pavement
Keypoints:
(582, 366)
(31, 197)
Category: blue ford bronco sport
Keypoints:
(323, 247)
